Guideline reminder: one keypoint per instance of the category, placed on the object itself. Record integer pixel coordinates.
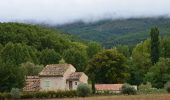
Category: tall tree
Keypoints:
(76, 58)
(140, 63)
(108, 66)
(93, 48)
(155, 53)
(159, 74)
(165, 47)
(11, 76)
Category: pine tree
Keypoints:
(154, 45)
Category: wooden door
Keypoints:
(70, 85)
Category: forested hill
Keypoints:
(113, 32)
(36, 36)
(21, 43)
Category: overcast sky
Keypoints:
(63, 11)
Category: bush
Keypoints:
(7, 96)
(2, 96)
(15, 93)
(49, 94)
(148, 89)
(106, 93)
(27, 95)
(127, 89)
(83, 90)
(167, 86)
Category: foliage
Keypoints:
(148, 89)
(77, 58)
(83, 90)
(124, 49)
(108, 66)
(62, 61)
(159, 74)
(155, 52)
(93, 48)
(11, 76)
(5, 96)
(15, 93)
(128, 89)
(49, 94)
(49, 56)
(2, 97)
(117, 32)
(17, 53)
(141, 62)
(165, 47)
(167, 86)
(31, 69)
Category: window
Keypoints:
(47, 83)
(75, 83)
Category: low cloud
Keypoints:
(65, 11)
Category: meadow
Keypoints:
(134, 97)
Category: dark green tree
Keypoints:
(159, 73)
(11, 76)
(49, 56)
(31, 69)
(165, 47)
(17, 54)
(108, 66)
(124, 49)
(93, 48)
(77, 58)
(140, 62)
(155, 52)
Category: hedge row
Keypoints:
(40, 95)
(50, 94)
(4, 96)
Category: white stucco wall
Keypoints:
(55, 83)
(74, 84)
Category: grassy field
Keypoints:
(136, 97)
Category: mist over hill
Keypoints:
(113, 32)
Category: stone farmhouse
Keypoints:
(56, 77)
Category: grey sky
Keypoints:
(62, 11)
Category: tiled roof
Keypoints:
(32, 84)
(54, 70)
(108, 87)
(75, 76)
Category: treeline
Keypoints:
(26, 49)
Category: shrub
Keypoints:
(127, 89)
(48, 95)
(7, 96)
(148, 89)
(83, 90)
(145, 88)
(167, 86)
(15, 93)
(27, 95)
(2, 96)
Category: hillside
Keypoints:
(38, 44)
(113, 32)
